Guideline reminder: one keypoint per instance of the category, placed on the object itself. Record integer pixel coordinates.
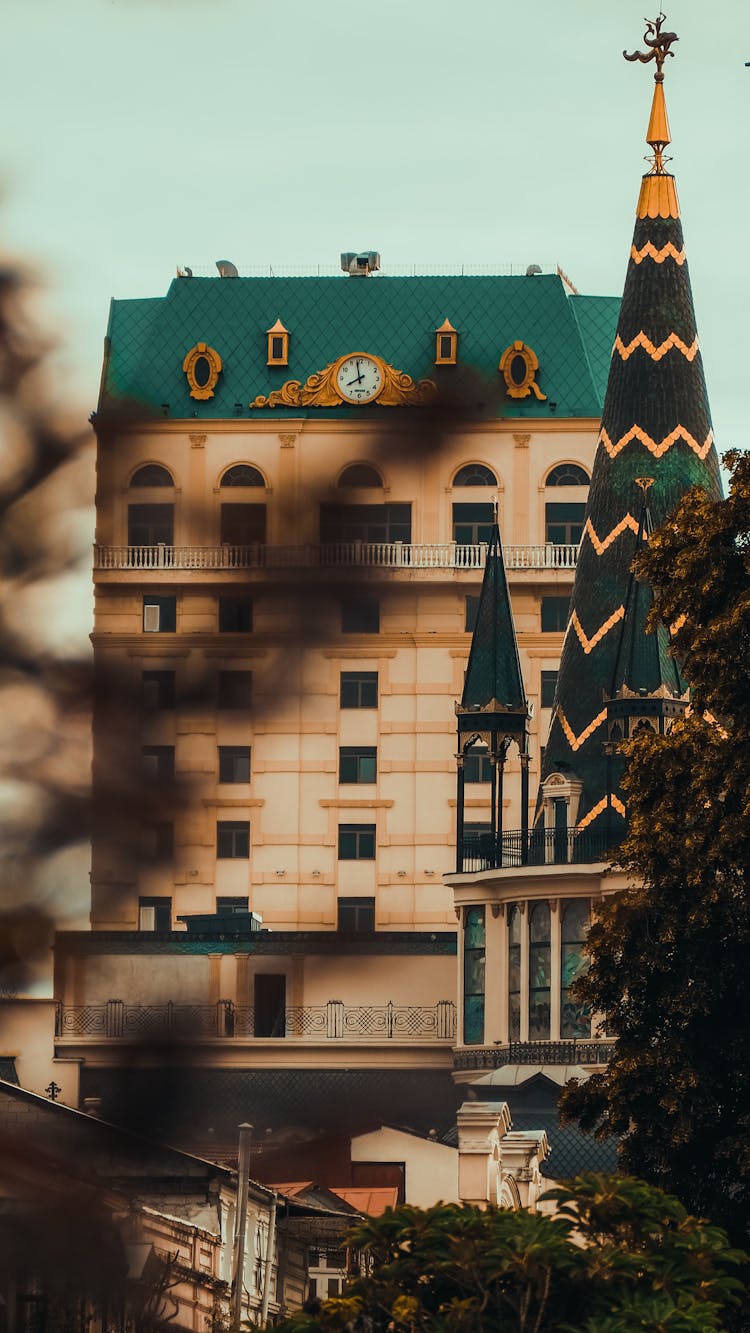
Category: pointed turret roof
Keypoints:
(656, 419)
(494, 669)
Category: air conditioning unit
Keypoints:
(147, 918)
(151, 618)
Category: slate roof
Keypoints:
(655, 423)
(394, 317)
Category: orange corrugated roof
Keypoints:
(373, 1201)
(294, 1188)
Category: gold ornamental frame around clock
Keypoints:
(209, 354)
(320, 389)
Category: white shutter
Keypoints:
(151, 618)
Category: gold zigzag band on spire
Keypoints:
(586, 643)
(656, 353)
(598, 809)
(649, 251)
(599, 545)
(575, 742)
(657, 448)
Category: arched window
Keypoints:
(514, 972)
(152, 474)
(243, 475)
(474, 950)
(575, 1020)
(474, 474)
(360, 475)
(568, 474)
(539, 972)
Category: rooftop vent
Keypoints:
(532, 270)
(360, 265)
(226, 268)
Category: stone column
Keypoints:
(481, 1126)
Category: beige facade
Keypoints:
(297, 650)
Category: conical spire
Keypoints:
(494, 669)
(656, 419)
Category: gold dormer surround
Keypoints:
(658, 197)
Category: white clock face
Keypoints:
(359, 379)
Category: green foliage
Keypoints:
(618, 1256)
(670, 956)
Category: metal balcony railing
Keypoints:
(537, 847)
(584, 1052)
(113, 1019)
(334, 555)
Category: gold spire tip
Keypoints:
(658, 195)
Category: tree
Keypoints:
(644, 1264)
(670, 955)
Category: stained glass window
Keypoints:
(474, 954)
(514, 972)
(575, 1018)
(539, 972)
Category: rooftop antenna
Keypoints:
(226, 268)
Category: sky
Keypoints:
(142, 134)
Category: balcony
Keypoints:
(583, 1052)
(338, 555)
(333, 1021)
(537, 847)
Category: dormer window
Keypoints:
(446, 344)
(278, 345)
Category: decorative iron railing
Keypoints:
(113, 1019)
(534, 1053)
(537, 847)
(341, 555)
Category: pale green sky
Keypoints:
(143, 133)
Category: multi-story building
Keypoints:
(298, 481)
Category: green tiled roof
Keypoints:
(392, 316)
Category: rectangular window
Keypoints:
(269, 1009)
(158, 763)
(564, 523)
(474, 960)
(365, 523)
(157, 841)
(242, 524)
(234, 763)
(477, 764)
(231, 906)
(154, 913)
(554, 614)
(549, 685)
(359, 689)
(235, 615)
(356, 842)
(358, 763)
(159, 614)
(472, 523)
(158, 690)
(360, 615)
(233, 839)
(150, 525)
(356, 915)
(471, 604)
(235, 689)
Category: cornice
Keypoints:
(339, 426)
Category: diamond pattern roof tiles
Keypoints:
(327, 317)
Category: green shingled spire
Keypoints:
(655, 420)
(494, 670)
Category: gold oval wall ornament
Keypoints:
(519, 364)
(202, 367)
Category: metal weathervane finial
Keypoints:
(659, 43)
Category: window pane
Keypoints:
(356, 914)
(472, 523)
(549, 685)
(231, 906)
(474, 969)
(235, 615)
(360, 475)
(474, 474)
(152, 474)
(357, 763)
(359, 689)
(568, 474)
(158, 689)
(150, 525)
(554, 614)
(242, 475)
(539, 972)
(233, 839)
(356, 842)
(360, 615)
(242, 524)
(235, 689)
(365, 523)
(564, 523)
(234, 763)
(159, 614)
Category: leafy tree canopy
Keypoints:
(618, 1256)
(670, 956)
